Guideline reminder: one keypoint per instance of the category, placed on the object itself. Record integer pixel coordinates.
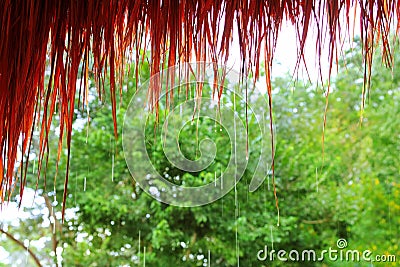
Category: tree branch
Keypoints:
(19, 243)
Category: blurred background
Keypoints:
(351, 191)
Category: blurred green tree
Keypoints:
(350, 192)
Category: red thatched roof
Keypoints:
(65, 34)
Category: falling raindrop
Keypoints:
(272, 239)
(215, 121)
(222, 207)
(112, 169)
(87, 132)
(111, 146)
(88, 120)
(215, 179)
(209, 258)
(144, 256)
(222, 179)
(76, 185)
(84, 184)
(247, 123)
(265, 197)
(237, 242)
(197, 133)
(139, 248)
(236, 201)
(234, 130)
(265, 131)
(247, 191)
(27, 253)
(53, 222)
(316, 178)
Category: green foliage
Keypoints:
(352, 191)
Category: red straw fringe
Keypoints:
(62, 35)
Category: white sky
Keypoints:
(286, 52)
